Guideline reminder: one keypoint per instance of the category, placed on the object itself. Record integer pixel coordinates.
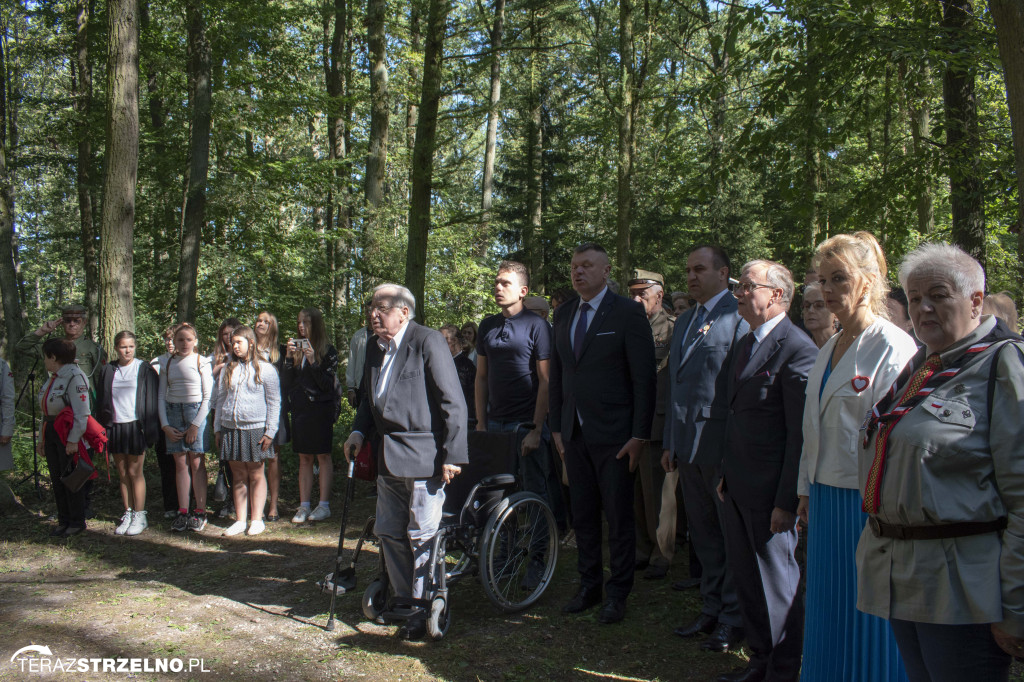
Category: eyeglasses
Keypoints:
(71, 320)
(746, 287)
(813, 305)
(381, 309)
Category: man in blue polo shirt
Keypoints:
(513, 351)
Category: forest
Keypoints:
(195, 159)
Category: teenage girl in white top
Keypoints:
(126, 406)
(184, 404)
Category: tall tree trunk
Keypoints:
(1009, 19)
(915, 82)
(8, 271)
(336, 60)
(164, 227)
(81, 83)
(412, 109)
(534, 158)
(627, 95)
(199, 167)
(491, 143)
(963, 145)
(122, 163)
(423, 155)
(377, 156)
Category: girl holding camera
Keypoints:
(310, 370)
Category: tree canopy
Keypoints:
(762, 126)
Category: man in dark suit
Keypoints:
(767, 381)
(695, 432)
(601, 405)
(414, 404)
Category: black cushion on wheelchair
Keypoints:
(490, 453)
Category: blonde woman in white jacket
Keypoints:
(853, 369)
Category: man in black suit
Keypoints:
(414, 404)
(767, 381)
(602, 389)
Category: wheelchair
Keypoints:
(490, 529)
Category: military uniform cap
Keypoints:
(646, 278)
(75, 309)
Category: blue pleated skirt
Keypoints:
(840, 642)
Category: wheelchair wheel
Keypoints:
(374, 600)
(439, 619)
(518, 552)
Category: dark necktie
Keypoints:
(744, 356)
(581, 330)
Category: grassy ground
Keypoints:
(249, 607)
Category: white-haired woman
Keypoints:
(852, 371)
(942, 556)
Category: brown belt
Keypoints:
(945, 530)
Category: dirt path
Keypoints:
(248, 608)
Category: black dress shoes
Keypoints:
(58, 531)
(748, 674)
(587, 597)
(73, 530)
(613, 611)
(702, 624)
(724, 638)
(688, 584)
(413, 630)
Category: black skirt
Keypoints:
(312, 427)
(126, 439)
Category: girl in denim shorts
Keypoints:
(184, 403)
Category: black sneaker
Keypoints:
(180, 522)
(196, 522)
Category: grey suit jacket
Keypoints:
(694, 429)
(421, 418)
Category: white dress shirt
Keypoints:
(390, 350)
(594, 304)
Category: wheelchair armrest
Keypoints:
(498, 481)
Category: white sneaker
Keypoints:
(236, 528)
(301, 514)
(320, 513)
(139, 523)
(256, 527)
(126, 521)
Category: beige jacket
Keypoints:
(949, 461)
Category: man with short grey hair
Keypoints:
(414, 403)
(764, 404)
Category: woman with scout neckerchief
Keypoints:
(942, 556)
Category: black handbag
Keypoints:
(220, 488)
(76, 474)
